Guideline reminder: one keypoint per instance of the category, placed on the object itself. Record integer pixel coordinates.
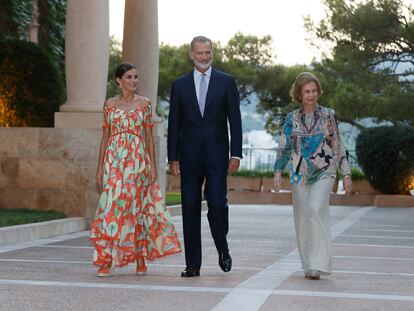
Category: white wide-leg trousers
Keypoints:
(313, 229)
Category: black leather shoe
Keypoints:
(225, 262)
(190, 272)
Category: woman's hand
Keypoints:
(152, 177)
(347, 181)
(99, 178)
(277, 181)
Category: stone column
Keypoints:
(140, 44)
(140, 47)
(87, 56)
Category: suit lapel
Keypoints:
(212, 85)
(191, 91)
(191, 87)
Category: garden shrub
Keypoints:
(31, 88)
(386, 156)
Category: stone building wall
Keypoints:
(54, 168)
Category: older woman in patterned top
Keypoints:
(310, 146)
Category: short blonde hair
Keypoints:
(302, 79)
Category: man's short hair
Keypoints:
(201, 39)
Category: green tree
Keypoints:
(244, 56)
(31, 88)
(240, 57)
(389, 167)
(370, 69)
(52, 23)
(272, 87)
(174, 62)
(16, 16)
(112, 88)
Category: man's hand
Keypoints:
(175, 168)
(277, 181)
(234, 165)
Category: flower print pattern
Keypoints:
(314, 153)
(131, 219)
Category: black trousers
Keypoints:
(215, 192)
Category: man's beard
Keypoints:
(203, 66)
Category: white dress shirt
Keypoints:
(197, 78)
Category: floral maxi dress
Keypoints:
(131, 219)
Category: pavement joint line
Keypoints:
(374, 273)
(372, 245)
(374, 258)
(116, 286)
(46, 261)
(63, 238)
(348, 221)
(90, 263)
(343, 295)
(65, 246)
(376, 236)
(364, 224)
(57, 239)
(268, 252)
(244, 298)
(206, 240)
(387, 230)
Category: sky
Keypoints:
(180, 20)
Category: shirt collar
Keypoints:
(198, 74)
(317, 109)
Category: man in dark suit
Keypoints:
(202, 103)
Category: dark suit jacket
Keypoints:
(188, 130)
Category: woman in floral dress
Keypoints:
(131, 222)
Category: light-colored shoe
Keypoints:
(313, 274)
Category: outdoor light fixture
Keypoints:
(411, 186)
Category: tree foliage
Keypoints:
(388, 166)
(16, 16)
(115, 57)
(240, 57)
(52, 19)
(31, 88)
(174, 62)
(370, 69)
(376, 33)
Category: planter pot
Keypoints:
(267, 183)
(173, 183)
(363, 187)
(243, 183)
(233, 183)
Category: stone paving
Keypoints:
(373, 269)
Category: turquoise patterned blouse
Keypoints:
(311, 146)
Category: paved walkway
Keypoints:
(373, 269)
